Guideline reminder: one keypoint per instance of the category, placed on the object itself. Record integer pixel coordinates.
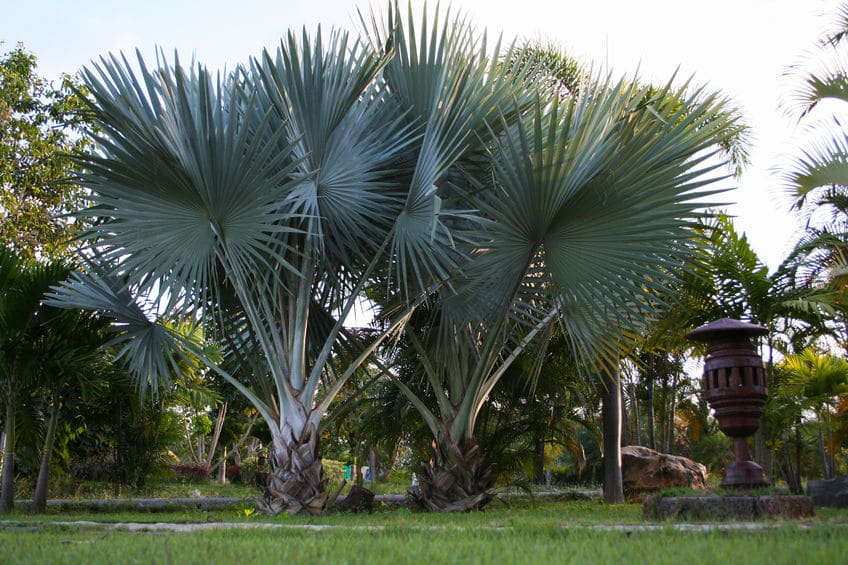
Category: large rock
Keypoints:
(832, 492)
(645, 470)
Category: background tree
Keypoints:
(820, 383)
(40, 126)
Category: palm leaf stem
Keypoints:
(483, 390)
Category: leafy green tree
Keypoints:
(40, 125)
(817, 179)
(49, 356)
(820, 381)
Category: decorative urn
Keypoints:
(735, 386)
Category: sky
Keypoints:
(743, 48)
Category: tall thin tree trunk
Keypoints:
(236, 453)
(762, 453)
(539, 461)
(671, 411)
(823, 453)
(611, 416)
(7, 491)
(792, 476)
(798, 452)
(637, 425)
(39, 498)
(219, 425)
(649, 386)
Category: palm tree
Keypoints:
(821, 382)
(22, 286)
(269, 199)
(588, 201)
(67, 361)
(47, 354)
(818, 179)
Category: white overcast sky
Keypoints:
(742, 47)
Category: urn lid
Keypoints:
(726, 328)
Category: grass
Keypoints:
(521, 531)
(547, 545)
(556, 532)
(177, 488)
(499, 515)
(82, 490)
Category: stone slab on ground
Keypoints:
(217, 503)
(830, 492)
(12, 525)
(726, 507)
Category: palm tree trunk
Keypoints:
(762, 455)
(457, 479)
(219, 425)
(296, 483)
(235, 451)
(798, 448)
(373, 463)
(823, 454)
(611, 415)
(792, 475)
(539, 461)
(7, 491)
(39, 498)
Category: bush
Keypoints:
(714, 451)
(333, 471)
(190, 471)
(253, 470)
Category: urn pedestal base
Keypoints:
(744, 474)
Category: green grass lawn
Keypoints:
(549, 544)
(548, 532)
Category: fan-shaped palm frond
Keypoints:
(183, 175)
(451, 89)
(601, 187)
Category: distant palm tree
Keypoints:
(46, 353)
(818, 178)
(820, 381)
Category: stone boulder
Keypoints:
(645, 470)
(831, 492)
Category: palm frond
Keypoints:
(182, 174)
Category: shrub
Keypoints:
(190, 471)
(333, 470)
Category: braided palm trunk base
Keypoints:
(456, 479)
(296, 484)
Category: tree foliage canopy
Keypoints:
(39, 128)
